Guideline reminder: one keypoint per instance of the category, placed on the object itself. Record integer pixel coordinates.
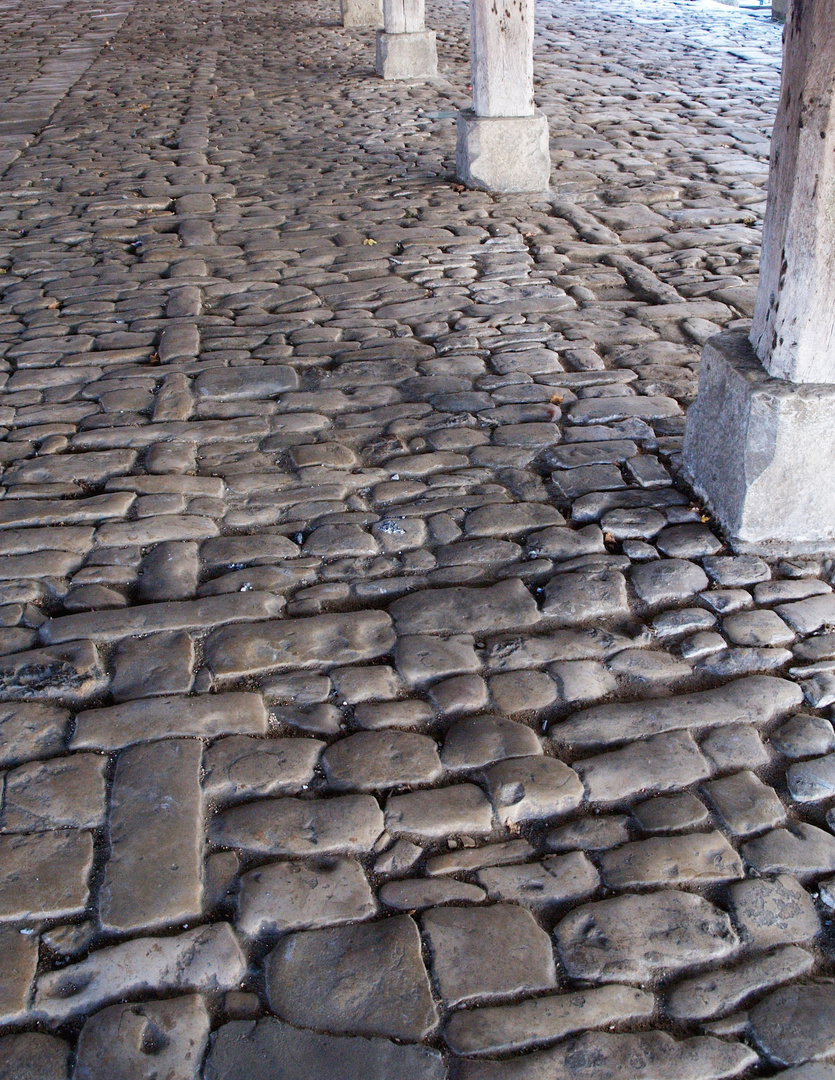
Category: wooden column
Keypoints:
(503, 139)
(759, 445)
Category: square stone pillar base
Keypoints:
(503, 153)
(365, 13)
(407, 56)
(761, 452)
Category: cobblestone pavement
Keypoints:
(375, 703)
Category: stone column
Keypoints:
(405, 48)
(503, 139)
(760, 439)
(362, 13)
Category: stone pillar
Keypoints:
(405, 48)
(362, 13)
(503, 139)
(760, 439)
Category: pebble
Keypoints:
(441, 812)
(240, 766)
(745, 804)
(804, 736)
(531, 788)
(671, 860)
(555, 880)
(659, 763)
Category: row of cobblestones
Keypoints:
(375, 699)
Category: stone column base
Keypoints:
(761, 452)
(365, 13)
(779, 10)
(407, 56)
(503, 153)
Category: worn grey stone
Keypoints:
(45, 875)
(796, 1024)
(282, 896)
(483, 159)
(299, 643)
(589, 834)
(774, 912)
(34, 1056)
(412, 894)
(754, 700)
(18, 961)
(70, 672)
(670, 813)
(573, 599)
(804, 736)
(244, 1050)
(349, 823)
(667, 581)
(735, 746)
(145, 1041)
(147, 667)
(422, 659)
(671, 860)
(240, 766)
(480, 740)
(365, 979)
(813, 780)
(636, 938)
(800, 849)
(440, 812)
(31, 730)
(496, 1029)
(146, 719)
(488, 952)
(375, 760)
(504, 606)
(154, 875)
(205, 959)
(474, 858)
(555, 880)
(660, 763)
(745, 804)
(61, 793)
(718, 992)
(531, 788)
(651, 1055)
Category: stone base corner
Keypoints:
(503, 153)
(761, 452)
(407, 56)
(362, 13)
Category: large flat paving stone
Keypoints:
(170, 716)
(324, 641)
(636, 938)
(505, 606)
(206, 959)
(367, 979)
(244, 1050)
(241, 766)
(45, 875)
(291, 895)
(651, 1055)
(699, 857)
(154, 875)
(487, 953)
(756, 700)
(346, 824)
(499, 1029)
(660, 763)
(796, 1024)
(145, 1040)
(376, 760)
(34, 1056)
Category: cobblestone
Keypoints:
(345, 573)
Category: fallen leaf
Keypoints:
(369, 242)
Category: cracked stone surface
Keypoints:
(374, 700)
